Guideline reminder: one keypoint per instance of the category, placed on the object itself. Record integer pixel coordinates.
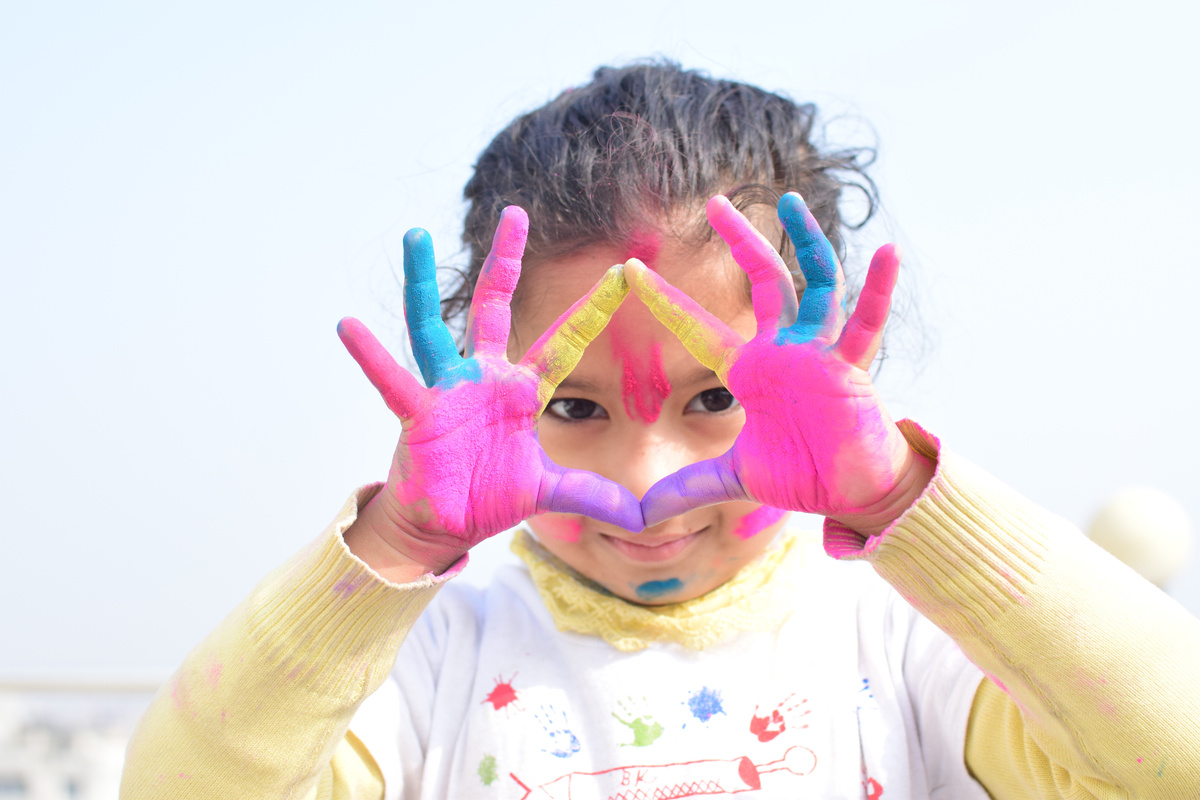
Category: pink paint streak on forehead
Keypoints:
(758, 520)
(644, 247)
(644, 383)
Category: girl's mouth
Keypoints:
(663, 549)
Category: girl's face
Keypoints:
(637, 408)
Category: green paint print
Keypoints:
(645, 729)
(487, 770)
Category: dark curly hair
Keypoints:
(652, 141)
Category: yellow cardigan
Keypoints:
(1093, 690)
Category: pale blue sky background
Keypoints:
(191, 196)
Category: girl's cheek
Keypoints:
(718, 432)
(564, 527)
(553, 437)
(757, 521)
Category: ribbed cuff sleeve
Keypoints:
(260, 706)
(327, 620)
(1100, 662)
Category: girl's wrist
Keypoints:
(387, 543)
(914, 476)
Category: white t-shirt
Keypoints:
(855, 695)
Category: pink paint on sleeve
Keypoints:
(758, 520)
(214, 673)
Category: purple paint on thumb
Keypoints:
(574, 491)
(697, 485)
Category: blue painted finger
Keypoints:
(432, 345)
(819, 315)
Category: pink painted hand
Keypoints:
(817, 438)
(469, 464)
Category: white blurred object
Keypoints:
(1147, 529)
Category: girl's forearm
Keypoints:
(261, 707)
(1097, 664)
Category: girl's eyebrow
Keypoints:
(700, 374)
(578, 384)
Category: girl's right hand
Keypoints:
(469, 464)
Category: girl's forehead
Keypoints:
(551, 286)
(706, 273)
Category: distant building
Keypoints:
(65, 742)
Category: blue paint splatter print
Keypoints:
(705, 703)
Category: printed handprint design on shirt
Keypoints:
(645, 729)
(775, 722)
(559, 741)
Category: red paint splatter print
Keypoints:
(503, 694)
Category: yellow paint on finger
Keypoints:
(708, 339)
(561, 348)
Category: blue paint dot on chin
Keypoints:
(652, 590)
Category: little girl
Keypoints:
(647, 428)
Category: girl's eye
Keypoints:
(573, 408)
(713, 401)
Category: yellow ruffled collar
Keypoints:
(756, 599)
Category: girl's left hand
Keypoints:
(817, 438)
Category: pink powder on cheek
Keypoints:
(568, 529)
(757, 520)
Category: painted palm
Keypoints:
(817, 438)
(469, 464)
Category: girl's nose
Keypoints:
(649, 457)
